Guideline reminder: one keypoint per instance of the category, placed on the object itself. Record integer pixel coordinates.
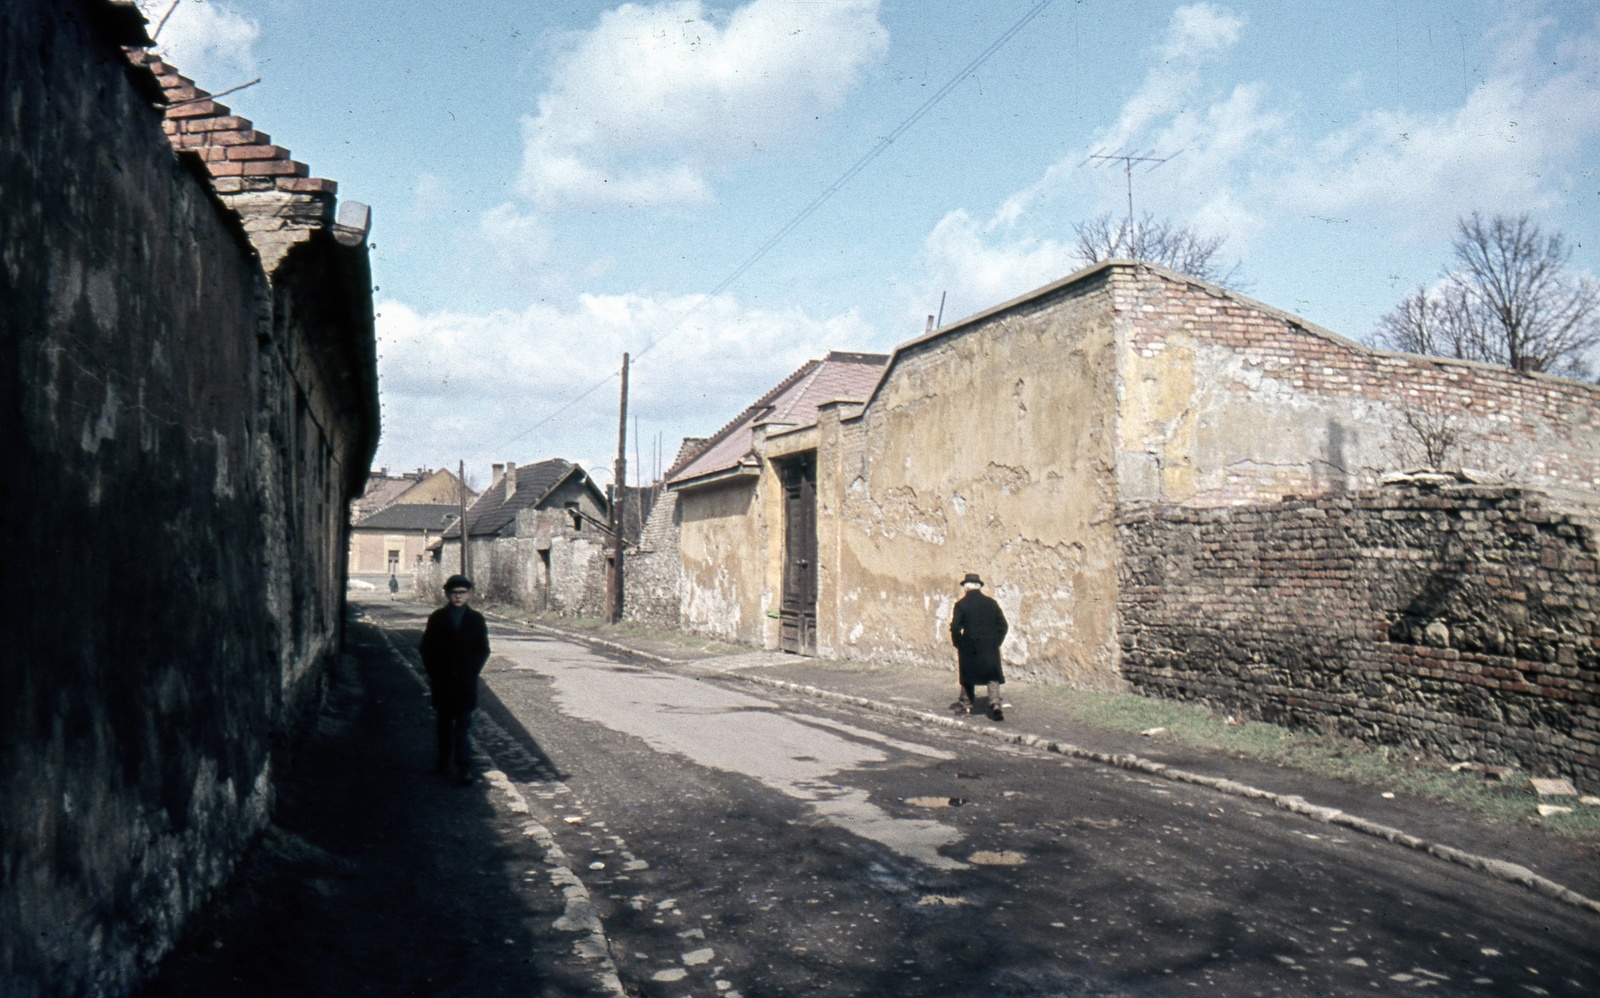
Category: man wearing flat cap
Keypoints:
(977, 629)
(455, 646)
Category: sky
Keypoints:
(556, 183)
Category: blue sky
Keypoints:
(555, 183)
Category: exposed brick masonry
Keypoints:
(1512, 406)
(238, 157)
(1460, 621)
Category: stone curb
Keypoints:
(1511, 873)
(580, 914)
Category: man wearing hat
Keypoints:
(455, 645)
(977, 629)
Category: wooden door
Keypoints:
(798, 614)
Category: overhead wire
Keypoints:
(811, 207)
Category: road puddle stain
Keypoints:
(986, 858)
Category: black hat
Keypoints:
(972, 579)
(457, 582)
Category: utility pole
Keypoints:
(619, 480)
(461, 501)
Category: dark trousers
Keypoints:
(451, 728)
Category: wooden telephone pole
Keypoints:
(618, 492)
(461, 501)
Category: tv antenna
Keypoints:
(1127, 160)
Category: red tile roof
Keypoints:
(794, 402)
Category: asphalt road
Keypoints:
(747, 842)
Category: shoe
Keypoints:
(996, 714)
(959, 706)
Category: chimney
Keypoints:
(498, 469)
(511, 479)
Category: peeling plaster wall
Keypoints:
(181, 445)
(988, 448)
(723, 537)
(1225, 402)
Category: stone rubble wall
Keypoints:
(1459, 621)
(652, 573)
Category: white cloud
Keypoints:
(1511, 144)
(519, 243)
(1503, 149)
(209, 42)
(642, 107)
(1196, 35)
(464, 386)
(963, 258)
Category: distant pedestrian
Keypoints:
(977, 629)
(455, 646)
(394, 586)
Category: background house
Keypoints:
(536, 539)
(746, 510)
(398, 517)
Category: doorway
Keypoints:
(797, 616)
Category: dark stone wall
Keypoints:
(1458, 621)
(177, 463)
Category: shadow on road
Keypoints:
(376, 876)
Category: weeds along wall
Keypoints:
(1460, 621)
(182, 430)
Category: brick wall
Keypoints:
(1228, 400)
(1461, 621)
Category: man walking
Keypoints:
(977, 629)
(455, 646)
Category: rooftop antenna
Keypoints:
(1127, 160)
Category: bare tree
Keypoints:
(1152, 240)
(1433, 322)
(1509, 300)
(1434, 432)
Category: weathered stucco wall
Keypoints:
(1463, 621)
(723, 536)
(988, 448)
(1228, 401)
(182, 435)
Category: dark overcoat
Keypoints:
(453, 655)
(976, 629)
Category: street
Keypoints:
(741, 840)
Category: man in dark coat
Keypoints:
(977, 628)
(455, 645)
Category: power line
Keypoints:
(813, 205)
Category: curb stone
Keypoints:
(1511, 873)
